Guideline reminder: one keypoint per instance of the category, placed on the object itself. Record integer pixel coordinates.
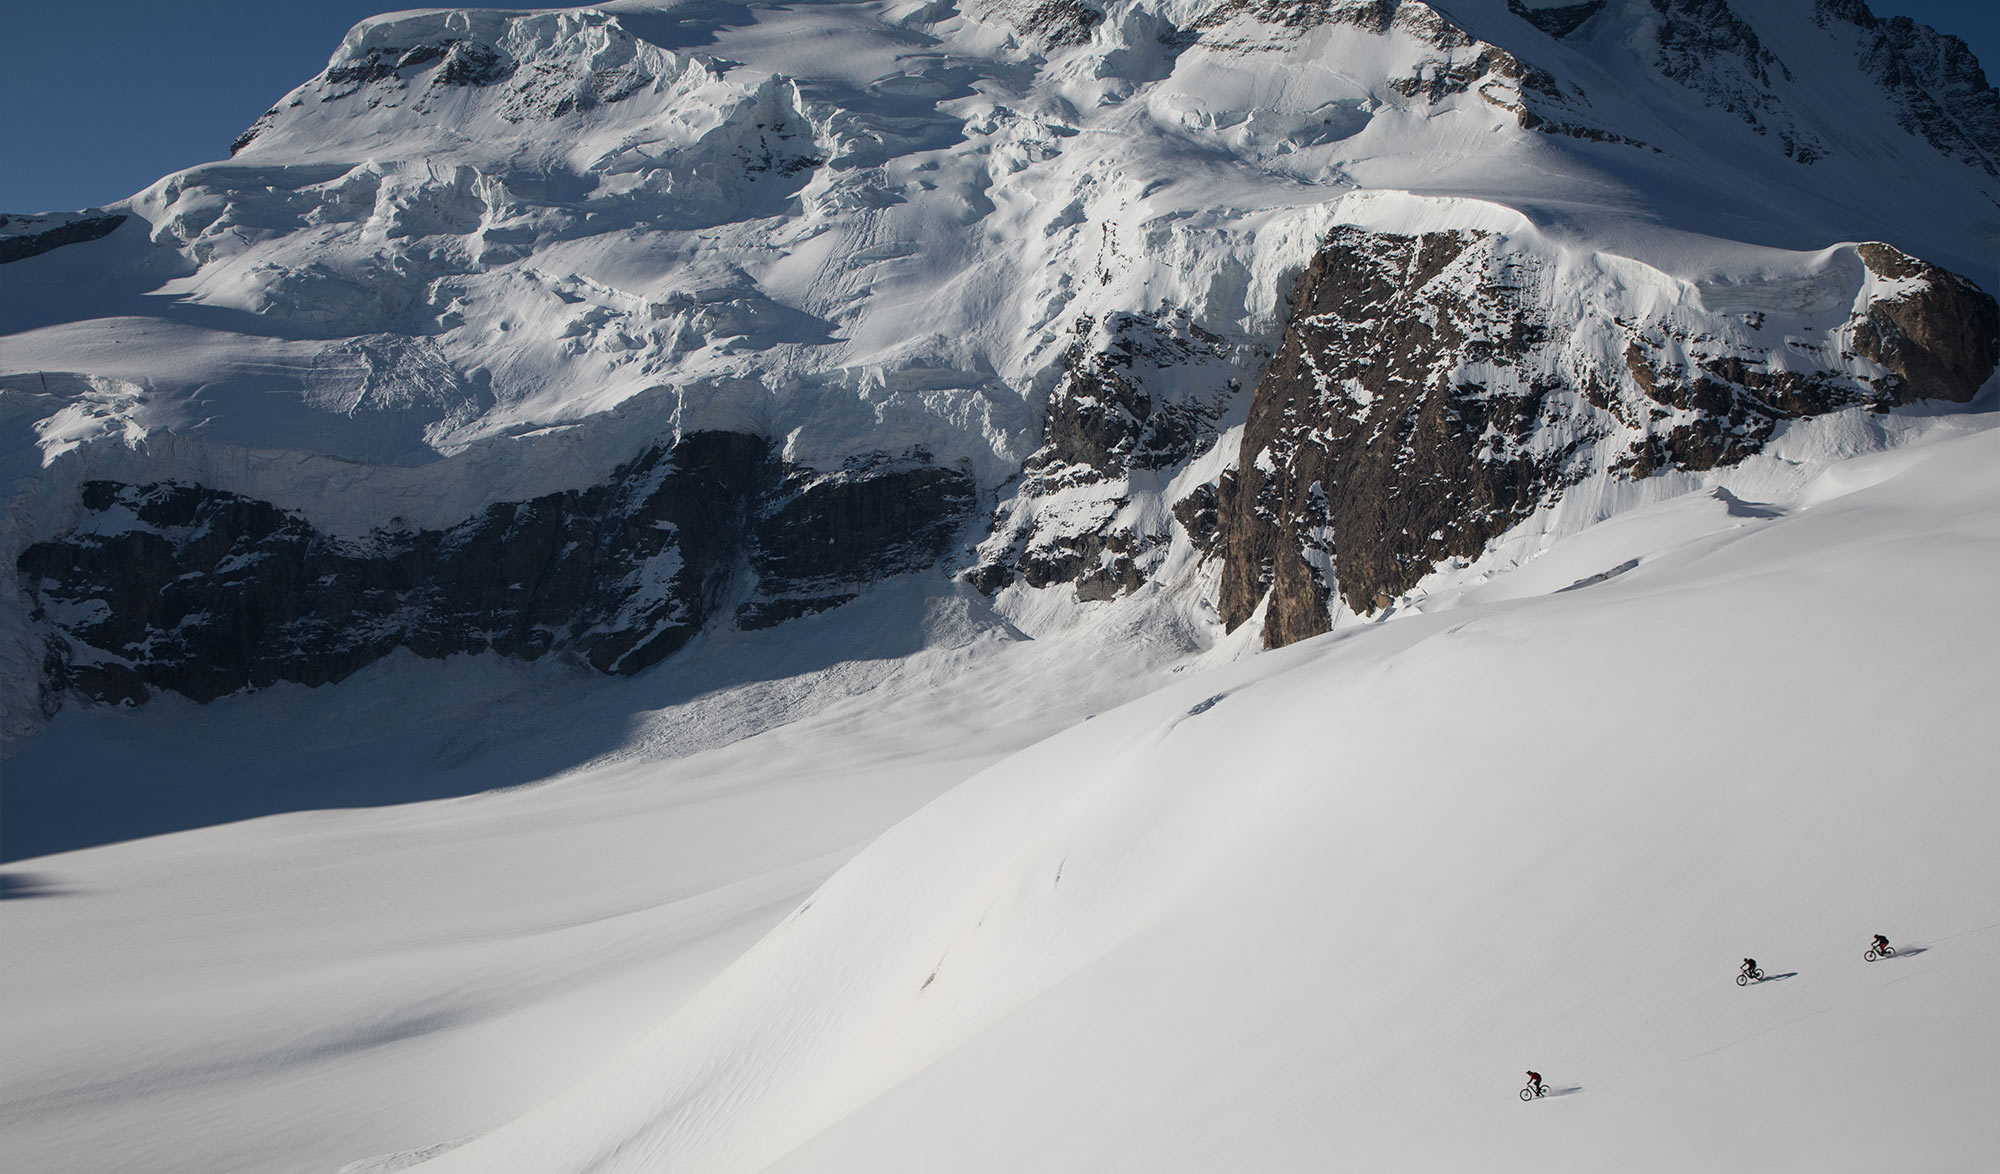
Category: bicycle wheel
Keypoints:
(1888, 951)
(1527, 1094)
(1742, 980)
(1870, 956)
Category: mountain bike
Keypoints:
(1531, 1092)
(1749, 976)
(1874, 954)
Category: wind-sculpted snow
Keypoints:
(1050, 245)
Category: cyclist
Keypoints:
(1881, 945)
(1535, 1081)
(1750, 967)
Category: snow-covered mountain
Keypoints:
(586, 331)
(786, 496)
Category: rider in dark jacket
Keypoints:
(1749, 966)
(1535, 1082)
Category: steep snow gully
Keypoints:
(1155, 585)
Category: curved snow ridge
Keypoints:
(1413, 214)
(1031, 872)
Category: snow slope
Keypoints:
(358, 971)
(1321, 907)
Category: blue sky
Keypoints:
(98, 102)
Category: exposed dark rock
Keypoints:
(1557, 22)
(1051, 24)
(1941, 340)
(205, 593)
(1696, 31)
(1370, 457)
(464, 64)
(1103, 425)
(1062, 23)
(1360, 451)
(758, 615)
(1117, 565)
(25, 241)
(256, 128)
(1705, 46)
(874, 518)
(1103, 421)
(1103, 564)
(1200, 514)
(1374, 16)
(1463, 64)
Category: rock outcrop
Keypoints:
(1938, 339)
(205, 593)
(1457, 63)
(22, 237)
(816, 536)
(1705, 46)
(1429, 394)
(1138, 394)
(1941, 94)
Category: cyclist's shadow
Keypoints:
(1778, 977)
(1564, 1091)
(1911, 952)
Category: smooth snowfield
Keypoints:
(1327, 920)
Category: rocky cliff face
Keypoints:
(184, 588)
(22, 237)
(1941, 94)
(1433, 390)
(1139, 395)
